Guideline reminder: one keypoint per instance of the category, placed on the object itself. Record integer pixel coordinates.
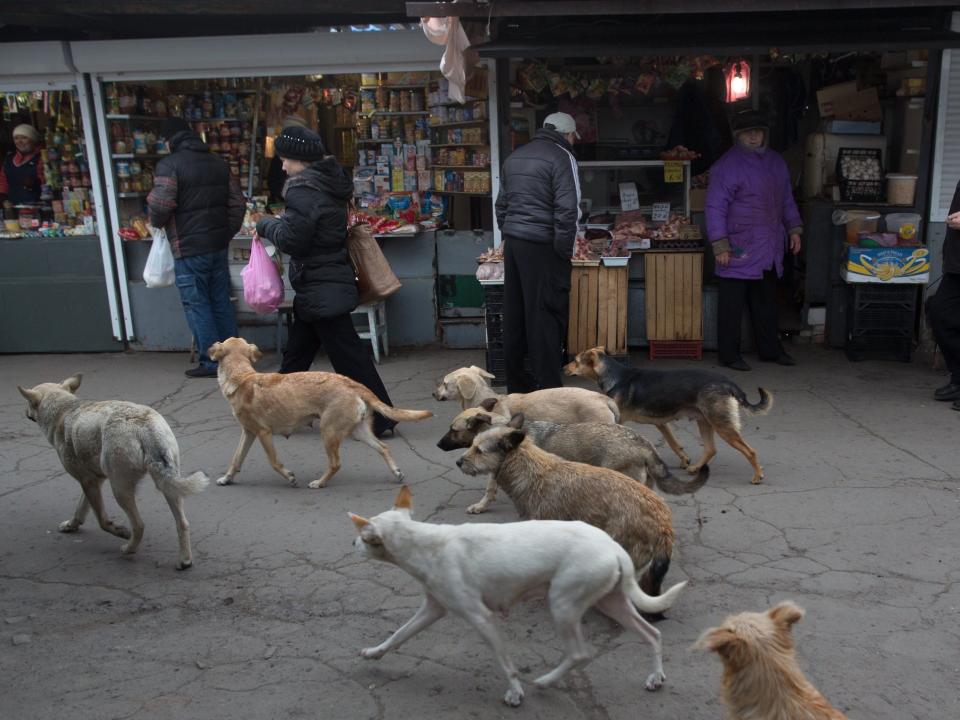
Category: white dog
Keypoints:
(479, 569)
(115, 440)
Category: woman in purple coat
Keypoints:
(750, 212)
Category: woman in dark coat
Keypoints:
(313, 232)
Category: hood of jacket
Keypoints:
(553, 136)
(187, 140)
(325, 175)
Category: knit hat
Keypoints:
(172, 125)
(27, 131)
(749, 120)
(299, 143)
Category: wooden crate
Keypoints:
(598, 309)
(674, 296)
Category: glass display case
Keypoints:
(656, 181)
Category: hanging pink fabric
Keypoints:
(262, 284)
(449, 32)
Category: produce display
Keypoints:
(583, 250)
(679, 153)
(670, 230)
(630, 225)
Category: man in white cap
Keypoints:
(22, 172)
(537, 211)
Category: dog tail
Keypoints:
(650, 604)
(165, 471)
(393, 413)
(762, 407)
(672, 485)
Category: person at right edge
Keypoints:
(537, 211)
(313, 232)
(943, 307)
(750, 213)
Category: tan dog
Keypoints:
(611, 446)
(659, 396)
(268, 404)
(559, 405)
(546, 487)
(761, 677)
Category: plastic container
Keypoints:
(908, 223)
(856, 222)
(901, 188)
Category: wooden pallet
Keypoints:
(598, 309)
(674, 296)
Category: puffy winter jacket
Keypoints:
(539, 196)
(951, 241)
(195, 198)
(749, 210)
(313, 232)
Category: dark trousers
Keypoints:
(761, 297)
(348, 354)
(943, 311)
(536, 289)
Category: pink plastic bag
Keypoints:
(262, 284)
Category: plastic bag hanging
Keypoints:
(158, 272)
(262, 284)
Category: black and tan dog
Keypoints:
(656, 397)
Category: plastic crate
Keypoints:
(677, 349)
(860, 190)
(496, 364)
(494, 322)
(868, 294)
(880, 320)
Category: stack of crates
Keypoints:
(880, 318)
(493, 320)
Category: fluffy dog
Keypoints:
(558, 405)
(546, 487)
(761, 677)
(268, 404)
(658, 396)
(480, 569)
(117, 441)
(611, 446)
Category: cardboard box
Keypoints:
(698, 199)
(845, 102)
(896, 265)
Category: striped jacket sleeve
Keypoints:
(162, 200)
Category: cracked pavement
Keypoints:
(858, 521)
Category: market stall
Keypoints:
(56, 283)
(383, 111)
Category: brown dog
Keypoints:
(761, 677)
(658, 396)
(268, 404)
(545, 487)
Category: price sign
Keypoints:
(629, 199)
(672, 171)
(660, 212)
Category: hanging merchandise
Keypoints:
(737, 75)
(449, 32)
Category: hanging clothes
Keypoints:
(450, 33)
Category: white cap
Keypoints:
(28, 131)
(562, 123)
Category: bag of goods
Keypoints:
(158, 272)
(262, 284)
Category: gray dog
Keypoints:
(119, 441)
(602, 445)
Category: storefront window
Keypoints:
(45, 185)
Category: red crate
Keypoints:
(678, 349)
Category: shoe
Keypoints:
(950, 391)
(956, 405)
(737, 365)
(784, 359)
(382, 426)
(201, 371)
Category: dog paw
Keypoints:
(225, 480)
(184, 565)
(756, 479)
(655, 680)
(513, 698)
(292, 479)
(372, 653)
(318, 483)
(68, 526)
(398, 475)
(128, 549)
(693, 469)
(476, 509)
(119, 530)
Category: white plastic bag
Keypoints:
(158, 272)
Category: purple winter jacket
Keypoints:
(750, 210)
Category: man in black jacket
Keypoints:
(199, 204)
(537, 211)
(943, 308)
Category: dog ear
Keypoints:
(478, 421)
(482, 373)
(359, 522)
(516, 421)
(215, 351)
(785, 614)
(467, 387)
(404, 499)
(720, 640)
(72, 383)
(253, 352)
(368, 533)
(32, 396)
(512, 440)
(489, 404)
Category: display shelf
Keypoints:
(137, 156)
(460, 192)
(443, 145)
(460, 167)
(421, 86)
(394, 112)
(217, 119)
(371, 141)
(134, 117)
(460, 123)
(125, 195)
(456, 104)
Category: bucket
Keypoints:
(905, 221)
(856, 221)
(901, 188)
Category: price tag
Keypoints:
(672, 171)
(660, 212)
(629, 199)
